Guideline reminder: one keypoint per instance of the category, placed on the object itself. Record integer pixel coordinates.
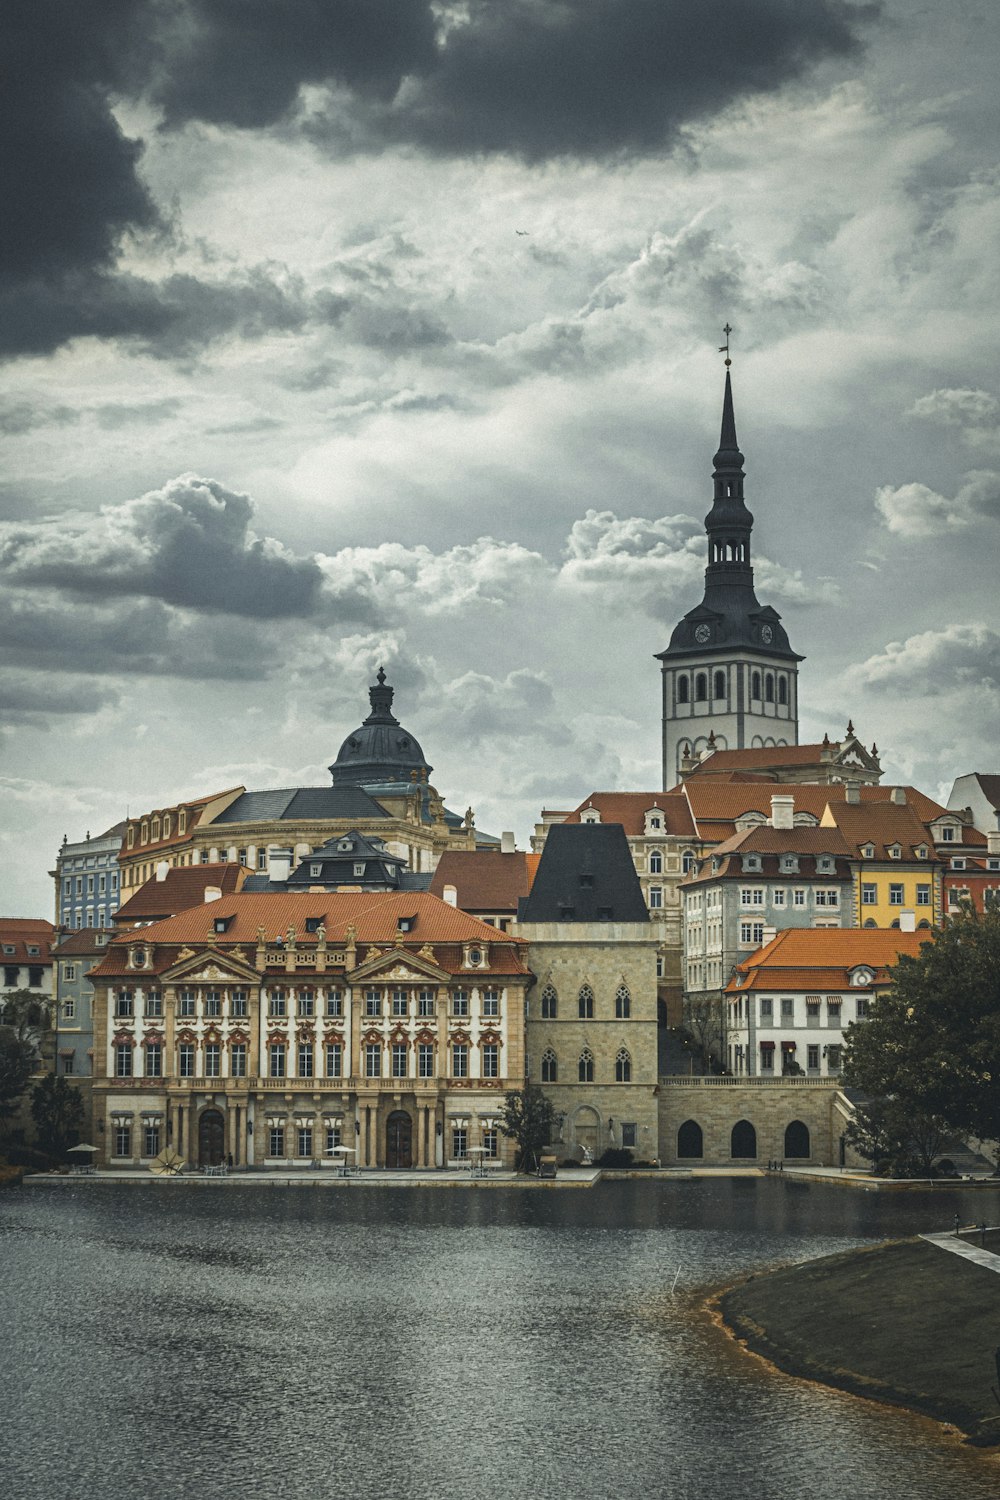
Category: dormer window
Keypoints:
(182, 821)
(895, 851)
(405, 924)
(390, 870)
(921, 851)
(947, 833)
(222, 924)
(167, 825)
(137, 958)
(957, 863)
(155, 829)
(144, 833)
(345, 846)
(993, 863)
(590, 815)
(359, 868)
(476, 956)
(586, 880)
(751, 862)
(313, 924)
(654, 821)
(868, 851)
(861, 976)
(315, 870)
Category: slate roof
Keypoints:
(821, 958)
(486, 879)
(297, 803)
(83, 942)
(585, 874)
(990, 787)
(630, 808)
(183, 887)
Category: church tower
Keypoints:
(730, 678)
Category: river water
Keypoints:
(362, 1342)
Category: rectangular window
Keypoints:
(787, 1010)
(307, 1003)
(276, 1060)
(123, 1060)
(400, 1002)
(778, 896)
(262, 859)
(425, 1060)
(812, 1059)
(276, 1003)
(798, 897)
(213, 1003)
(238, 1060)
(751, 896)
(827, 896)
(812, 1010)
(947, 835)
(895, 894)
(923, 895)
(491, 1002)
(373, 1002)
(187, 1003)
(459, 1143)
(459, 1060)
(869, 893)
(491, 1144)
(151, 1139)
(334, 1003)
(373, 1060)
(154, 1063)
(766, 1008)
(655, 897)
(305, 1140)
(833, 1012)
(460, 1003)
(751, 932)
(767, 1057)
(276, 1140)
(425, 1003)
(123, 1140)
(154, 1004)
(332, 1139)
(630, 1135)
(69, 972)
(125, 1003)
(238, 1004)
(185, 1060)
(399, 1059)
(491, 1060)
(305, 1059)
(69, 1010)
(334, 1059)
(861, 1009)
(833, 1059)
(213, 1060)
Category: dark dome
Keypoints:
(381, 749)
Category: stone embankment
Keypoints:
(903, 1323)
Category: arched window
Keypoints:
(719, 685)
(550, 1003)
(656, 863)
(690, 1142)
(586, 1003)
(682, 690)
(769, 688)
(623, 1066)
(783, 691)
(871, 922)
(755, 684)
(797, 1140)
(688, 861)
(743, 1141)
(586, 1068)
(550, 1068)
(701, 687)
(623, 1002)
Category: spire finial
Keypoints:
(724, 348)
(380, 676)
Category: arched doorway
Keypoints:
(399, 1139)
(743, 1140)
(587, 1131)
(690, 1142)
(211, 1138)
(797, 1140)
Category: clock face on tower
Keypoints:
(765, 634)
(702, 634)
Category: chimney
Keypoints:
(163, 869)
(993, 841)
(783, 811)
(450, 895)
(279, 863)
(213, 893)
(907, 921)
(852, 792)
(507, 844)
(898, 795)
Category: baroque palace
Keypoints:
(355, 972)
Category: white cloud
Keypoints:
(935, 662)
(957, 408)
(914, 510)
(398, 578)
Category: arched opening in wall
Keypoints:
(719, 685)
(797, 1140)
(399, 1140)
(690, 1141)
(756, 743)
(922, 924)
(783, 692)
(743, 1141)
(871, 922)
(587, 1131)
(683, 690)
(769, 688)
(211, 1138)
(755, 684)
(701, 687)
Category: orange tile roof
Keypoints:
(715, 801)
(195, 806)
(765, 756)
(820, 957)
(882, 825)
(486, 879)
(374, 915)
(630, 808)
(83, 941)
(21, 932)
(183, 887)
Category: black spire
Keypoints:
(728, 523)
(380, 697)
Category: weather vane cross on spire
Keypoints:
(724, 348)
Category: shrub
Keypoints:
(615, 1156)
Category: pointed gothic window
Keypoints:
(682, 690)
(550, 1067)
(586, 1003)
(586, 1068)
(623, 1066)
(701, 687)
(623, 1002)
(550, 1003)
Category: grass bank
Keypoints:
(904, 1323)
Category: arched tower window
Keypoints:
(550, 1003)
(769, 688)
(682, 690)
(783, 691)
(623, 1002)
(623, 1066)
(755, 684)
(701, 687)
(586, 1003)
(719, 685)
(550, 1067)
(586, 1066)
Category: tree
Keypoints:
(896, 1140)
(528, 1117)
(932, 1043)
(23, 1018)
(57, 1110)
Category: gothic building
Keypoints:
(729, 673)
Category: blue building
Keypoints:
(87, 881)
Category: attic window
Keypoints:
(406, 924)
(33, 950)
(359, 868)
(567, 913)
(993, 864)
(345, 846)
(590, 816)
(315, 869)
(313, 924)
(895, 852)
(605, 913)
(222, 924)
(9, 948)
(921, 851)
(868, 851)
(586, 881)
(958, 864)
(947, 834)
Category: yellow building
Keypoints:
(895, 867)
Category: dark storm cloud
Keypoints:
(31, 701)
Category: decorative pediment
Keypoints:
(399, 964)
(209, 966)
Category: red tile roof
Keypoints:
(181, 888)
(716, 801)
(194, 809)
(883, 826)
(20, 933)
(630, 809)
(83, 942)
(817, 958)
(486, 879)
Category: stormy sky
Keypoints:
(386, 331)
